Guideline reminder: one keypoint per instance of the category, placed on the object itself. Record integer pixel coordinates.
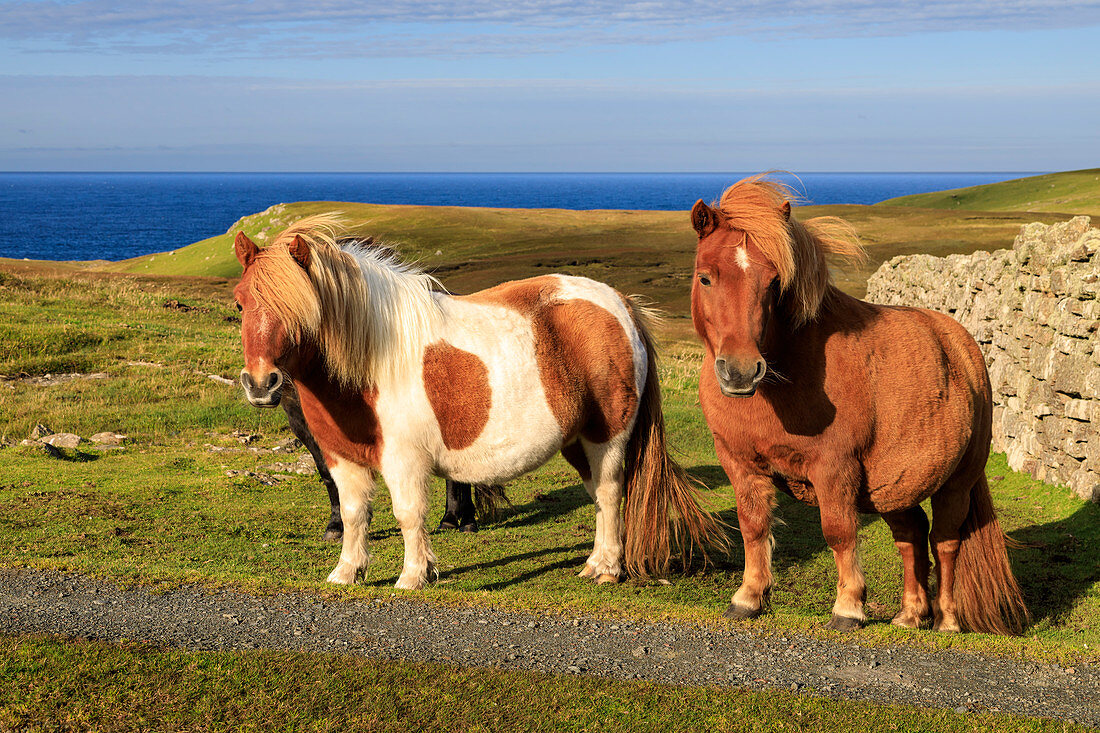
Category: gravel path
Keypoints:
(195, 618)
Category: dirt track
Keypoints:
(194, 618)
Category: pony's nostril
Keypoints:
(246, 380)
(272, 381)
(761, 367)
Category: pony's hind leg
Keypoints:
(409, 493)
(910, 530)
(601, 468)
(355, 484)
(949, 509)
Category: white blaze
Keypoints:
(742, 258)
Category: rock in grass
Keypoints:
(63, 440)
(108, 438)
(287, 444)
(40, 431)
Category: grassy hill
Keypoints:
(646, 252)
(1071, 192)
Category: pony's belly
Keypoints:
(521, 435)
(496, 464)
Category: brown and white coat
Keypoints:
(399, 379)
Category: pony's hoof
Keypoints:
(333, 535)
(607, 578)
(908, 619)
(949, 626)
(589, 571)
(410, 583)
(471, 527)
(742, 613)
(343, 575)
(843, 623)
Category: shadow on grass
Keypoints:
(72, 455)
(545, 507)
(581, 548)
(1058, 563)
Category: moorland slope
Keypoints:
(646, 252)
(1069, 192)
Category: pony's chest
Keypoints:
(749, 433)
(786, 465)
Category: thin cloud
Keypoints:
(337, 28)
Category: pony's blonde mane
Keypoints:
(369, 313)
(796, 249)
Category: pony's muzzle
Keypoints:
(738, 378)
(264, 393)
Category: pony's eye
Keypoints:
(704, 280)
(239, 308)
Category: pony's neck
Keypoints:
(396, 318)
(788, 344)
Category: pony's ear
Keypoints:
(703, 218)
(299, 250)
(785, 209)
(246, 249)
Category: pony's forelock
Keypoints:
(368, 312)
(796, 249)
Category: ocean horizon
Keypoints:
(113, 216)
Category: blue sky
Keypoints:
(549, 85)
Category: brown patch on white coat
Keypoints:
(585, 362)
(457, 384)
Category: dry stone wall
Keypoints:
(1035, 312)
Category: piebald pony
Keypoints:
(399, 379)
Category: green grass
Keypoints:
(50, 684)
(1073, 192)
(165, 511)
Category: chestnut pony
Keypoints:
(845, 405)
(398, 379)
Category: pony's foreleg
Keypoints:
(355, 484)
(836, 492)
(409, 493)
(605, 485)
(755, 503)
(910, 530)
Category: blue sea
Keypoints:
(112, 216)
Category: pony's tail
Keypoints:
(662, 509)
(488, 500)
(987, 596)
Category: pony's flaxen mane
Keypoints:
(796, 249)
(368, 312)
